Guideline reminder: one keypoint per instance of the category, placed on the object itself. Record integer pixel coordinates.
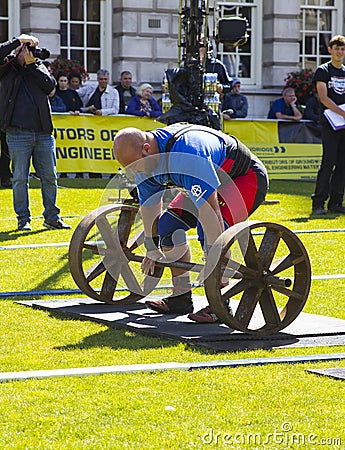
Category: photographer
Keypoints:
(25, 116)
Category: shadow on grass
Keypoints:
(312, 217)
(117, 338)
(53, 280)
(14, 234)
(82, 183)
(75, 183)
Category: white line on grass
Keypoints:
(190, 238)
(159, 367)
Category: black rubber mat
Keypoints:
(307, 330)
(337, 373)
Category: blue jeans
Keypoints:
(22, 145)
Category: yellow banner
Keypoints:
(269, 141)
(84, 143)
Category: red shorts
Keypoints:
(236, 200)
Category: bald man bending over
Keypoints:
(221, 183)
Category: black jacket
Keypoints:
(214, 65)
(12, 74)
(120, 90)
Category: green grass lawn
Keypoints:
(280, 406)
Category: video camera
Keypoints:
(187, 84)
(40, 53)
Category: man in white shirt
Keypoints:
(101, 100)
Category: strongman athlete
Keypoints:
(220, 182)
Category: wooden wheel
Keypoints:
(275, 277)
(102, 250)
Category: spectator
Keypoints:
(126, 90)
(312, 109)
(330, 182)
(5, 162)
(143, 104)
(285, 107)
(75, 81)
(101, 100)
(56, 103)
(235, 101)
(69, 96)
(25, 117)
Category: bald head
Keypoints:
(128, 145)
(131, 145)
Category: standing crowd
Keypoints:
(30, 91)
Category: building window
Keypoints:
(319, 22)
(81, 32)
(240, 60)
(4, 21)
(9, 19)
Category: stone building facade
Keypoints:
(141, 36)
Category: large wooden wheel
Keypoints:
(275, 277)
(266, 264)
(99, 255)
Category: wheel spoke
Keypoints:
(130, 280)
(94, 248)
(108, 288)
(250, 251)
(285, 263)
(246, 307)
(269, 308)
(233, 265)
(236, 289)
(108, 236)
(136, 241)
(268, 247)
(124, 225)
(95, 271)
(289, 293)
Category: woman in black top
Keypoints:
(69, 96)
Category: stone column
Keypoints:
(144, 39)
(280, 40)
(41, 18)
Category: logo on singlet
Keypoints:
(197, 192)
(338, 85)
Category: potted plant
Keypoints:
(69, 66)
(301, 82)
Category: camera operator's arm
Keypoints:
(6, 48)
(38, 71)
(28, 39)
(224, 79)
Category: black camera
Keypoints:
(40, 53)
